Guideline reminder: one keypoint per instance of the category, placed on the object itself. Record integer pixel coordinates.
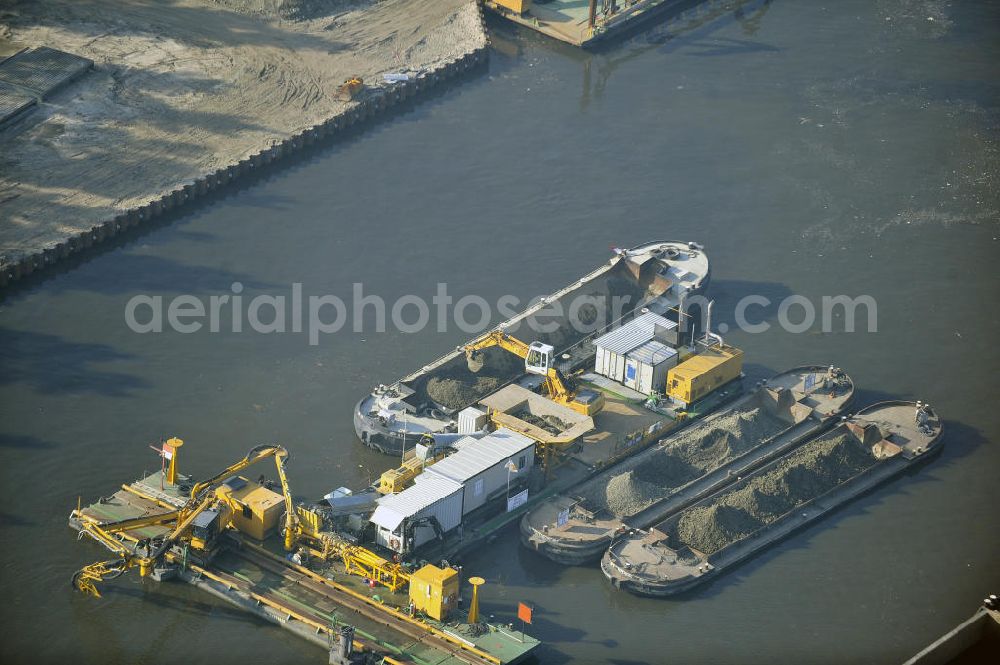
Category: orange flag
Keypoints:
(524, 613)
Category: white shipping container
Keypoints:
(647, 367)
(481, 466)
(436, 497)
(614, 347)
(471, 420)
(617, 366)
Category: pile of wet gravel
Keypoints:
(810, 471)
(692, 454)
(550, 424)
(456, 394)
(454, 386)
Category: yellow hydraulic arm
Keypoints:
(142, 554)
(497, 338)
(202, 495)
(292, 528)
(130, 524)
(537, 360)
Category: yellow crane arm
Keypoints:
(95, 531)
(86, 578)
(184, 520)
(292, 527)
(256, 454)
(556, 387)
(131, 524)
(202, 496)
(555, 384)
(498, 338)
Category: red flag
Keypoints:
(524, 613)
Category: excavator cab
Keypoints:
(205, 529)
(539, 358)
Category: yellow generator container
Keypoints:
(703, 372)
(397, 480)
(516, 6)
(256, 509)
(434, 591)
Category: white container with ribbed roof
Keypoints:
(481, 466)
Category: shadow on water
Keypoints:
(9, 520)
(51, 364)
(538, 570)
(557, 632)
(689, 23)
(25, 442)
(143, 273)
(727, 294)
(183, 604)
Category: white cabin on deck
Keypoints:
(639, 353)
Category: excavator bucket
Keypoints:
(476, 360)
(85, 584)
(86, 579)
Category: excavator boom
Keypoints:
(537, 360)
(203, 495)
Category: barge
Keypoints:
(232, 538)
(657, 277)
(595, 23)
(577, 527)
(788, 494)
(970, 642)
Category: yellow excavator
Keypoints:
(221, 502)
(226, 501)
(229, 500)
(537, 360)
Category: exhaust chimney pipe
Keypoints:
(709, 335)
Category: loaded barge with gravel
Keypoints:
(790, 493)
(656, 277)
(577, 527)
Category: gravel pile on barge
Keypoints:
(813, 469)
(692, 454)
(577, 527)
(779, 498)
(457, 387)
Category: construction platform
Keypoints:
(313, 599)
(578, 22)
(623, 428)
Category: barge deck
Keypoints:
(658, 276)
(623, 428)
(314, 601)
(788, 494)
(578, 22)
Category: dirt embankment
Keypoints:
(810, 471)
(185, 87)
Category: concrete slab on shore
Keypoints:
(184, 88)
